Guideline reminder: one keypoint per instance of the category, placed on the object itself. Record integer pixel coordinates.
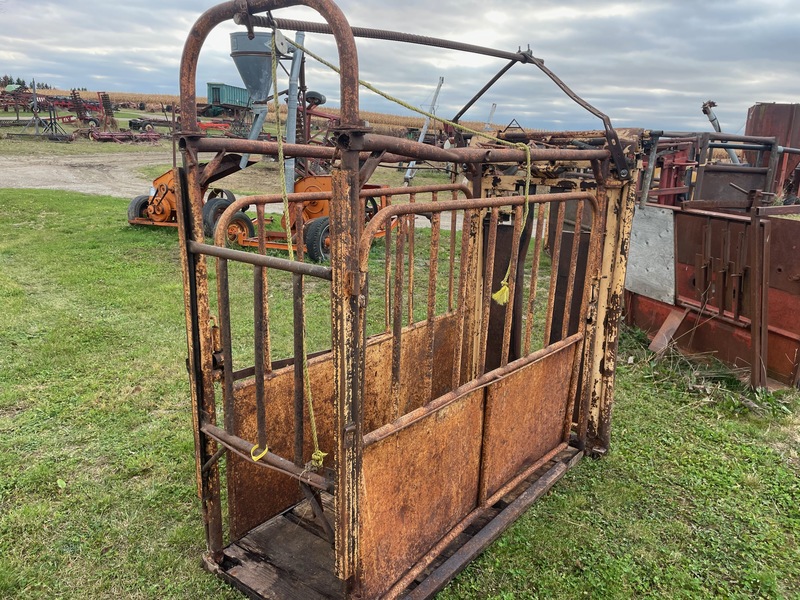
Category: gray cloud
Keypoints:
(644, 63)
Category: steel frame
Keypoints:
(416, 403)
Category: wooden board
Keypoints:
(280, 560)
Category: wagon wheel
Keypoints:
(240, 223)
(137, 209)
(370, 208)
(318, 239)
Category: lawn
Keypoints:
(698, 498)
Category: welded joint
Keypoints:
(352, 139)
(243, 17)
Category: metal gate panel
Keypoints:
(526, 415)
(248, 504)
(420, 481)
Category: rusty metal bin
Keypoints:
(444, 414)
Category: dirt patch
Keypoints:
(117, 174)
(107, 174)
(788, 442)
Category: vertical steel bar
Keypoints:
(573, 265)
(592, 347)
(260, 229)
(724, 272)
(347, 222)
(512, 284)
(434, 264)
(411, 223)
(554, 263)
(609, 314)
(223, 306)
(262, 249)
(755, 297)
(450, 290)
(397, 318)
(299, 379)
(587, 321)
(200, 345)
(491, 244)
(387, 276)
(741, 258)
(433, 274)
(537, 253)
(298, 230)
(465, 278)
(258, 313)
(707, 292)
(766, 231)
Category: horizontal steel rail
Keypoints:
(260, 260)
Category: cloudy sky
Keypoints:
(644, 63)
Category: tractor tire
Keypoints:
(239, 223)
(212, 210)
(137, 209)
(93, 123)
(317, 239)
(223, 193)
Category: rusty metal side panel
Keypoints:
(377, 382)
(525, 415)
(425, 376)
(415, 367)
(444, 344)
(717, 184)
(782, 121)
(421, 379)
(784, 268)
(726, 342)
(256, 494)
(418, 484)
(702, 254)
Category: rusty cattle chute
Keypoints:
(444, 414)
(712, 257)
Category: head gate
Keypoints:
(457, 351)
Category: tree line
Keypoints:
(7, 80)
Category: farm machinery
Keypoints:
(159, 207)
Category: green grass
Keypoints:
(22, 148)
(698, 498)
(96, 477)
